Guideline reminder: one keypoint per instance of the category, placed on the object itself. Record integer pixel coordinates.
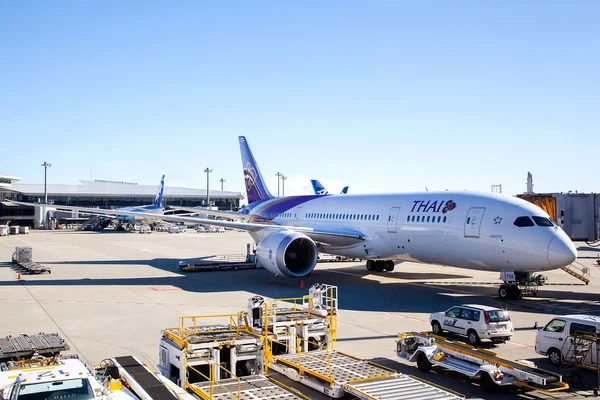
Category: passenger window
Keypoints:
(522, 222)
(466, 314)
(444, 219)
(418, 218)
(556, 325)
(453, 312)
(428, 217)
(577, 328)
(476, 315)
(439, 218)
(378, 218)
(413, 218)
(408, 219)
(542, 221)
(468, 220)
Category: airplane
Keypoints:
(480, 231)
(155, 208)
(320, 189)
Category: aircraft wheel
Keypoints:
(514, 292)
(504, 292)
(370, 265)
(389, 265)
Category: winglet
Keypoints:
(159, 196)
(344, 190)
(318, 188)
(256, 190)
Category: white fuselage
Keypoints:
(467, 230)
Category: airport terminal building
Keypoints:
(102, 194)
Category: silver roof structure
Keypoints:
(112, 189)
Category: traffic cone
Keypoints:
(18, 275)
(302, 284)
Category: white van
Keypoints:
(555, 338)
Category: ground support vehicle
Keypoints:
(139, 379)
(220, 263)
(25, 373)
(23, 258)
(291, 336)
(429, 350)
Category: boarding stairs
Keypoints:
(580, 272)
(577, 352)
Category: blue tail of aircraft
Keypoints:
(159, 196)
(344, 190)
(318, 188)
(256, 190)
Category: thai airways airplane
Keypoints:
(320, 189)
(481, 231)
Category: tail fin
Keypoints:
(344, 190)
(318, 188)
(159, 196)
(256, 189)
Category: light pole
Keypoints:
(222, 180)
(208, 171)
(278, 175)
(283, 178)
(46, 165)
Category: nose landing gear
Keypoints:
(520, 284)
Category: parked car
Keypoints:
(474, 321)
(554, 340)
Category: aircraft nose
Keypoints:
(561, 252)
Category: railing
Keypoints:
(210, 378)
(236, 323)
(188, 326)
(269, 357)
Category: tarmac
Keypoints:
(111, 293)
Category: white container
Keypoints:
(23, 229)
(14, 230)
(3, 230)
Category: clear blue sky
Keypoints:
(382, 96)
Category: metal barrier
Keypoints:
(210, 378)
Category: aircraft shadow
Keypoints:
(359, 289)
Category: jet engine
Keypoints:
(287, 253)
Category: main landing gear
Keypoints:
(380, 265)
(519, 284)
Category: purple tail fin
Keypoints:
(256, 190)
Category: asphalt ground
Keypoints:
(111, 293)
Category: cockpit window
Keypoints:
(523, 222)
(542, 221)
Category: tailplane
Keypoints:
(318, 188)
(344, 190)
(159, 196)
(256, 190)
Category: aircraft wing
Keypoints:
(217, 213)
(328, 237)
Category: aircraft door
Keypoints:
(393, 219)
(297, 216)
(473, 221)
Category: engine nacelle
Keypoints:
(287, 253)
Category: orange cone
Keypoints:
(18, 275)
(302, 284)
